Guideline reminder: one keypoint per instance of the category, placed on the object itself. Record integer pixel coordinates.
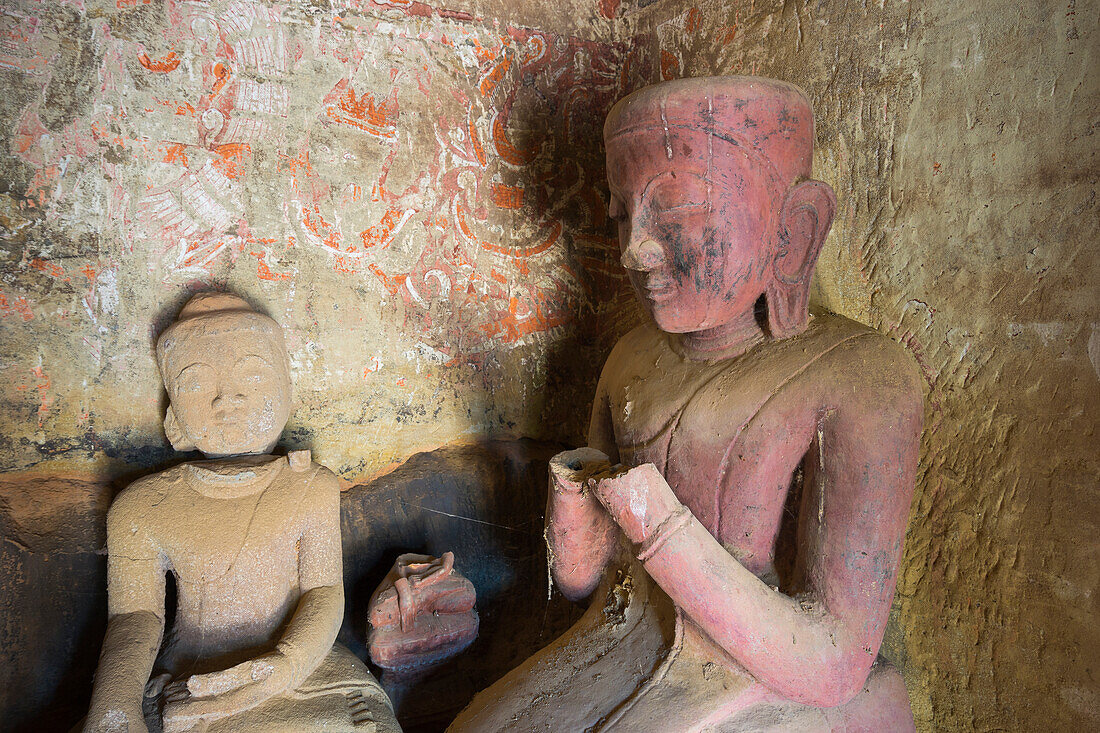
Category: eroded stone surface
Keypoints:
(959, 139)
(252, 541)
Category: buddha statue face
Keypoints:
(693, 240)
(225, 369)
(708, 183)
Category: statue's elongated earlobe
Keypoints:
(174, 431)
(804, 223)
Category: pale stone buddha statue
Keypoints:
(733, 408)
(253, 543)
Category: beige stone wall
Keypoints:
(961, 139)
(416, 193)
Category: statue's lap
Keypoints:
(625, 668)
(339, 696)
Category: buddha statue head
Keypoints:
(710, 186)
(228, 379)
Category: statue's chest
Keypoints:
(647, 406)
(689, 418)
(209, 539)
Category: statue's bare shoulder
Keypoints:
(633, 351)
(868, 369)
(324, 480)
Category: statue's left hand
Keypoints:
(208, 697)
(639, 500)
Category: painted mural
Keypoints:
(415, 180)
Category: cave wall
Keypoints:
(416, 192)
(961, 141)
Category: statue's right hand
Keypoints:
(201, 699)
(116, 719)
(571, 470)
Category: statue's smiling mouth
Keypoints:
(658, 290)
(230, 418)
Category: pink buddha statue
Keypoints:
(733, 427)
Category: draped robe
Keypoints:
(635, 661)
(242, 552)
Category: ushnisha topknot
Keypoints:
(213, 313)
(214, 302)
(772, 121)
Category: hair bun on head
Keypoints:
(206, 303)
(214, 314)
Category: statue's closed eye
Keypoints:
(253, 370)
(195, 378)
(669, 192)
(687, 208)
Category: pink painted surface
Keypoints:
(734, 399)
(422, 614)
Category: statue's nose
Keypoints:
(643, 255)
(226, 396)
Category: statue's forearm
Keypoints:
(305, 643)
(312, 630)
(580, 537)
(801, 653)
(129, 650)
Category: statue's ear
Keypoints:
(804, 222)
(174, 431)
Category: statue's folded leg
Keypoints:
(341, 696)
(577, 680)
(679, 703)
(689, 691)
(691, 694)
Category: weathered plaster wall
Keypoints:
(961, 140)
(416, 193)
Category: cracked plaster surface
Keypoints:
(960, 141)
